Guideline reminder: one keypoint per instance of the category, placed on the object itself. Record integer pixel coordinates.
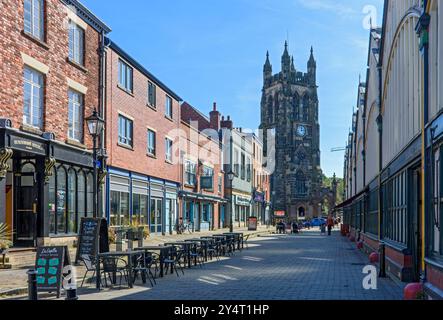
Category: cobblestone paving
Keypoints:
(281, 267)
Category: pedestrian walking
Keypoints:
(330, 224)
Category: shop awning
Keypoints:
(351, 200)
(202, 197)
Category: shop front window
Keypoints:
(81, 192)
(156, 215)
(119, 215)
(51, 203)
(139, 209)
(61, 200)
(90, 196)
(72, 200)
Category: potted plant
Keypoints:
(5, 235)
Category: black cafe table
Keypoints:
(187, 248)
(163, 250)
(119, 254)
(205, 244)
(239, 238)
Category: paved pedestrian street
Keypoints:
(276, 267)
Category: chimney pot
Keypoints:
(215, 106)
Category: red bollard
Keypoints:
(360, 245)
(413, 291)
(374, 257)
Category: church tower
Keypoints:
(289, 110)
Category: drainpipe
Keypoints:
(422, 30)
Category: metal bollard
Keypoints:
(71, 294)
(32, 285)
(382, 273)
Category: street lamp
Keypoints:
(231, 177)
(95, 127)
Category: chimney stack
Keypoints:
(227, 123)
(214, 118)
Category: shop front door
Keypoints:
(26, 204)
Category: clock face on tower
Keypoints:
(301, 131)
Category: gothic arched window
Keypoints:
(271, 109)
(305, 108)
(276, 106)
(301, 188)
(296, 109)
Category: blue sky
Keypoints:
(210, 51)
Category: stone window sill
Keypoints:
(125, 146)
(169, 118)
(169, 162)
(75, 143)
(31, 129)
(77, 65)
(150, 155)
(154, 108)
(37, 41)
(125, 90)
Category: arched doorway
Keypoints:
(26, 203)
(301, 213)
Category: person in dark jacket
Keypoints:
(294, 227)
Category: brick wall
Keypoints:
(136, 107)
(53, 52)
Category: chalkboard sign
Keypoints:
(49, 264)
(252, 224)
(93, 237)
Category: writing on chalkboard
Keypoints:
(93, 237)
(49, 264)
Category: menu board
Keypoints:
(49, 265)
(93, 237)
(252, 224)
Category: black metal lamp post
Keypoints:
(95, 127)
(231, 176)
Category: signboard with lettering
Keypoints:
(279, 213)
(49, 265)
(259, 197)
(28, 145)
(252, 223)
(93, 237)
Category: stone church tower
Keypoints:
(289, 107)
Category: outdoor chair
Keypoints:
(90, 265)
(113, 266)
(245, 241)
(142, 265)
(213, 250)
(174, 258)
(198, 254)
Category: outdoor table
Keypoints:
(163, 253)
(187, 248)
(230, 236)
(204, 242)
(239, 236)
(118, 254)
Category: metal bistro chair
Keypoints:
(213, 250)
(173, 259)
(198, 254)
(114, 265)
(143, 264)
(90, 265)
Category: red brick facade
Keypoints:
(135, 106)
(52, 52)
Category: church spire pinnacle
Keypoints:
(286, 60)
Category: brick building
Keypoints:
(143, 118)
(202, 194)
(50, 73)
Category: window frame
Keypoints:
(125, 76)
(80, 107)
(152, 95)
(168, 107)
(190, 173)
(168, 149)
(152, 151)
(41, 89)
(77, 43)
(123, 139)
(41, 20)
